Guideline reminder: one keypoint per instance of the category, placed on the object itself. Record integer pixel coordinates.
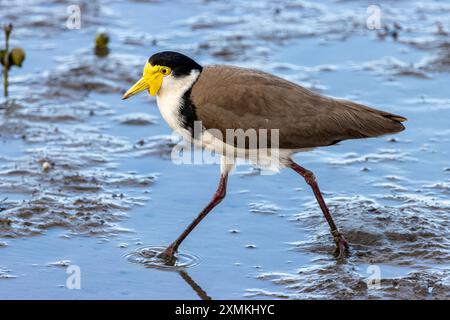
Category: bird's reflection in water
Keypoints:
(194, 285)
(187, 278)
(154, 257)
(171, 261)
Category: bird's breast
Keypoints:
(169, 106)
(174, 103)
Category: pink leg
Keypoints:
(341, 243)
(168, 254)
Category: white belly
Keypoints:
(266, 158)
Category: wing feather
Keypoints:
(228, 97)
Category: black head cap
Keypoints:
(180, 64)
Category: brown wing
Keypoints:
(231, 98)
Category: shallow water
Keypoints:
(86, 178)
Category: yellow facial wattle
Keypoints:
(152, 78)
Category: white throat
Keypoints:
(170, 98)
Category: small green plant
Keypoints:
(101, 44)
(9, 58)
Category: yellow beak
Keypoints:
(151, 80)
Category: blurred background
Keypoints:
(86, 180)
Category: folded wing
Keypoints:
(236, 98)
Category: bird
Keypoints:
(203, 104)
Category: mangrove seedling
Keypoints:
(9, 58)
(101, 44)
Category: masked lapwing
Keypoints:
(204, 103)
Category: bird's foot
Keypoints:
(342, 247)
(168, 256)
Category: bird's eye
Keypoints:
(165, 70)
